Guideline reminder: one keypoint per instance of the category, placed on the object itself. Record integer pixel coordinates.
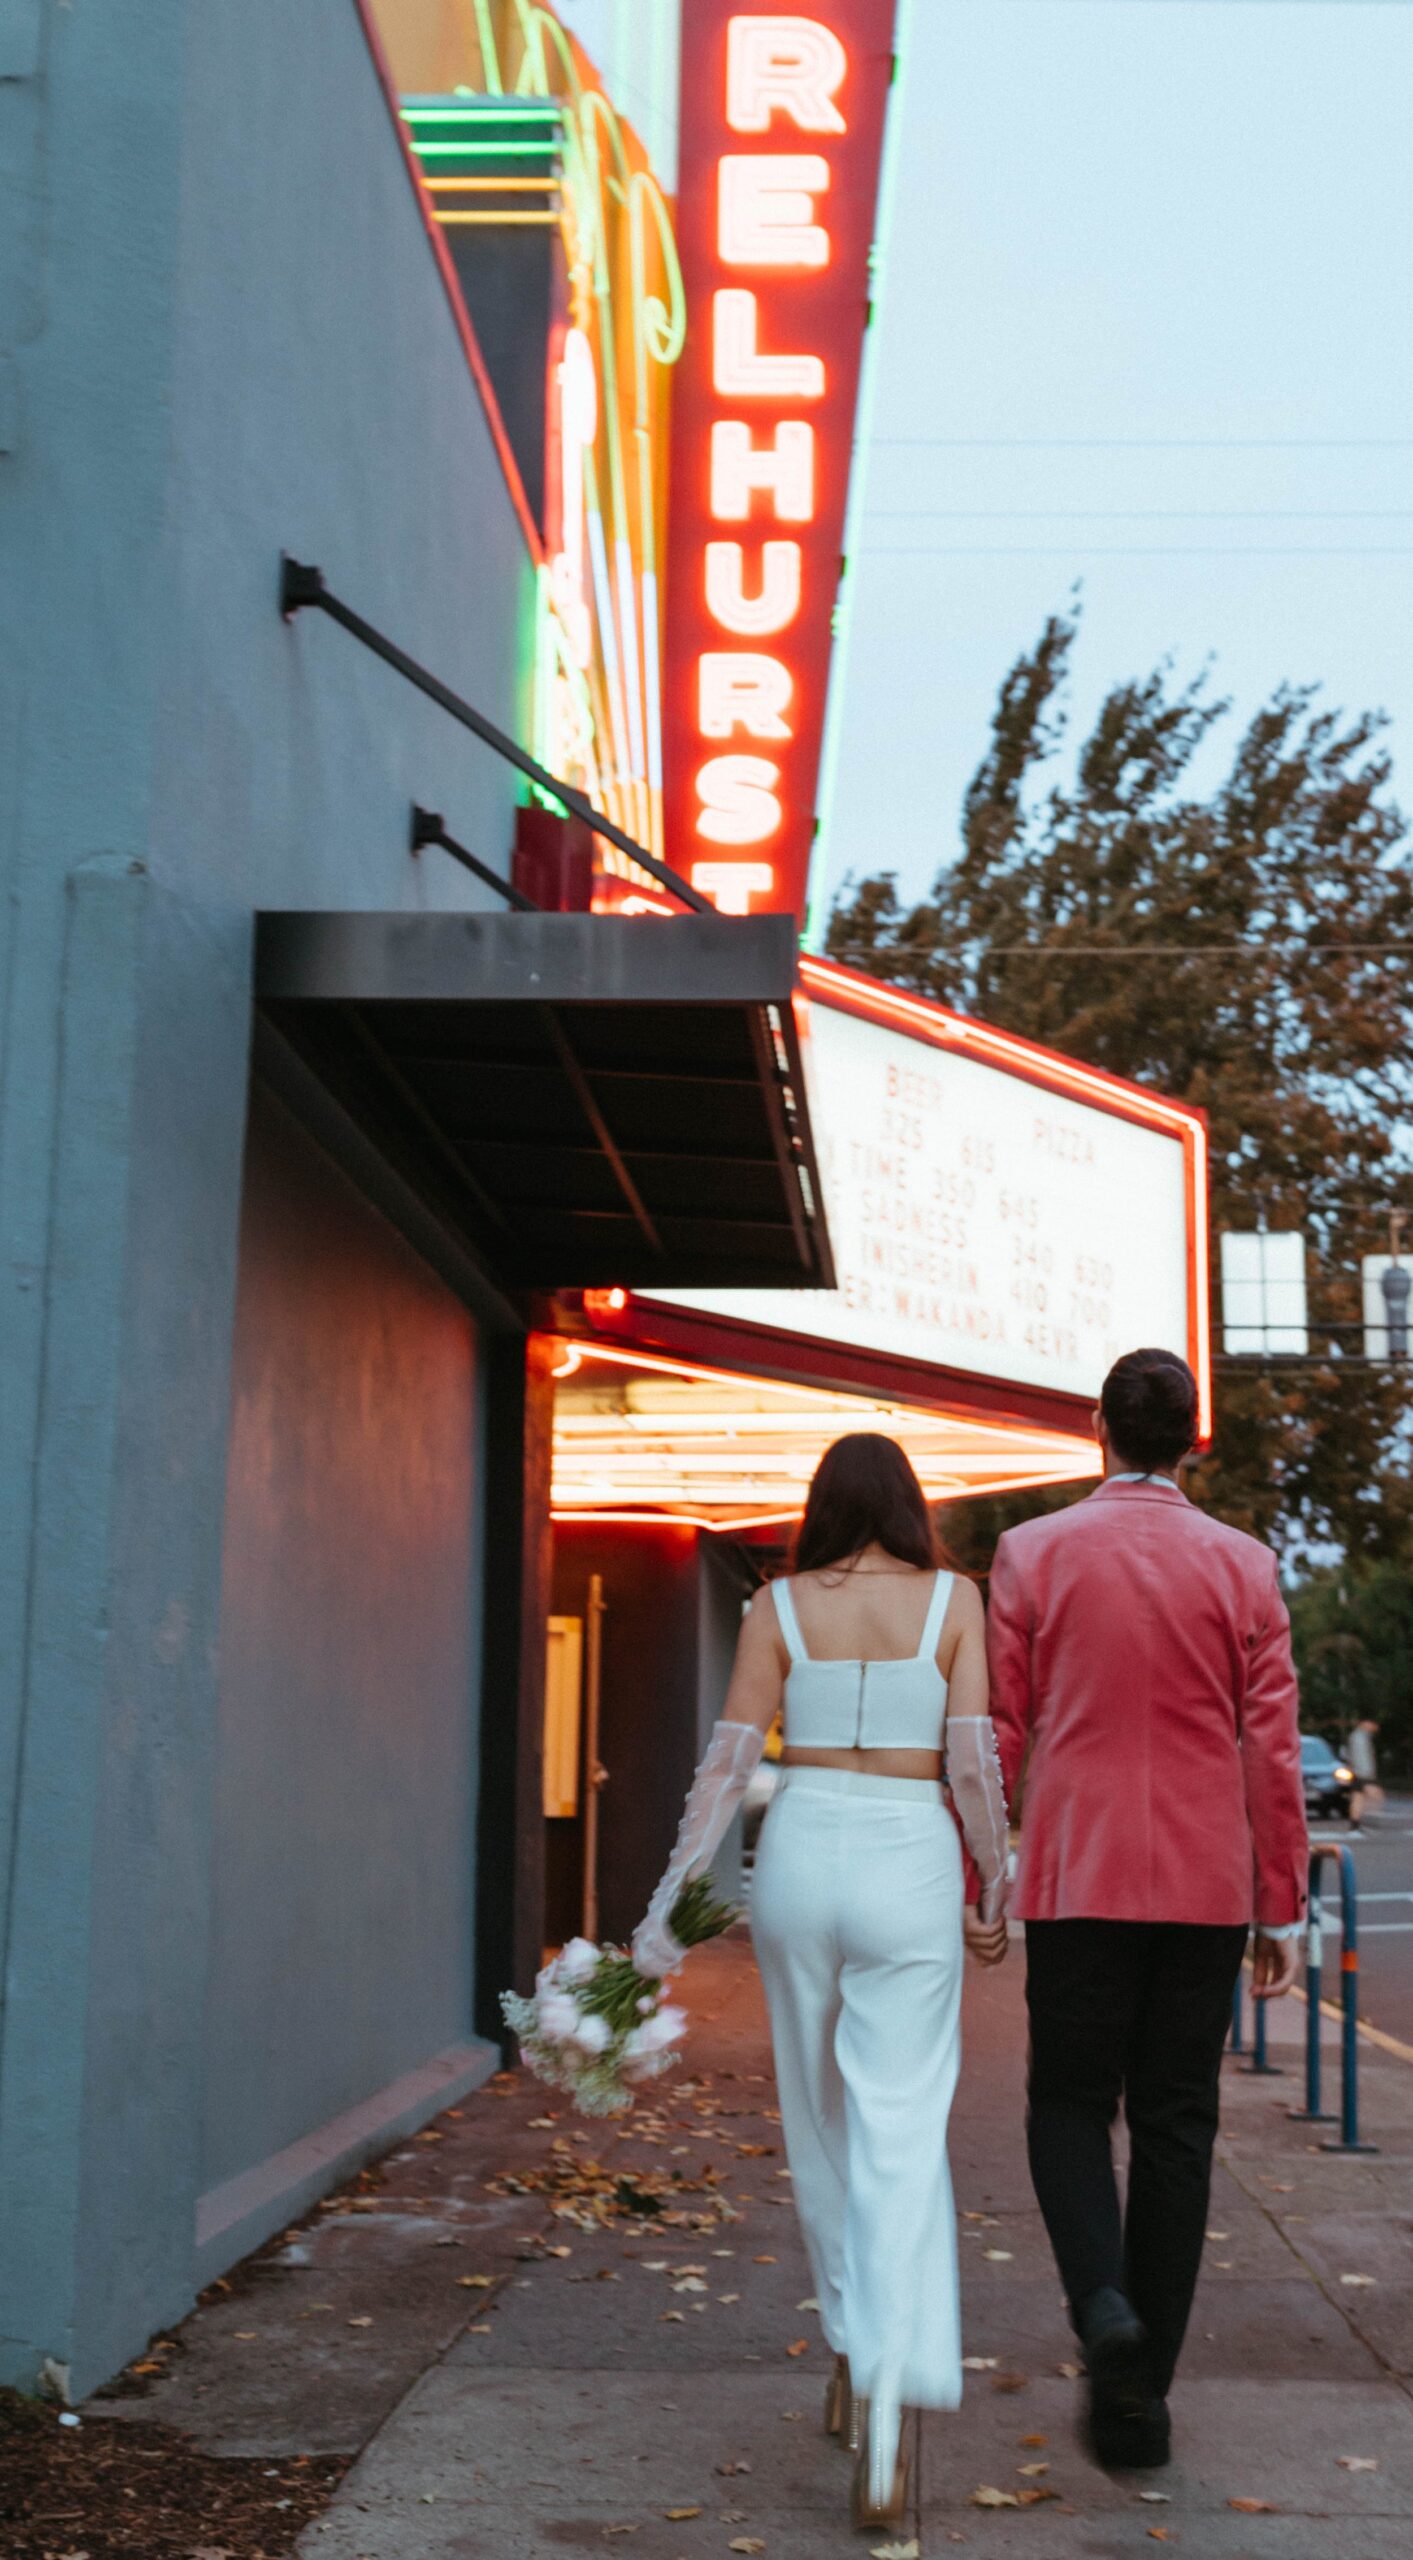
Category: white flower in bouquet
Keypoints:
(557, 2016)
(596, 2027)
(665, 2027)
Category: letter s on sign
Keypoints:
(739, 802)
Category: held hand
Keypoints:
(987, 1940)
(1274, 1965)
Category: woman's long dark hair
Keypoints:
(864, 1493)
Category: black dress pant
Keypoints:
(1138, 2011)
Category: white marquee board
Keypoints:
(980, 1221)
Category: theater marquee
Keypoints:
(782, 119)
(998, 1214)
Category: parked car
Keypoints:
(1329, 1782)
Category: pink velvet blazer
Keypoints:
(1142, 1650)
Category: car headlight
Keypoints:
(1343, 1777)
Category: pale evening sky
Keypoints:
(1145, 325)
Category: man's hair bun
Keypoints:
(1149, 1402)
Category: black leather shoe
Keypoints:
(1129, 2429)
(1134, 2444)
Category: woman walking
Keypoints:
(877, 1655)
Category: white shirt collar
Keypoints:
(1163, 1484)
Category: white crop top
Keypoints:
(865, 1706)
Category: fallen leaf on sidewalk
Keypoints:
(479, 2329)
(985, 2497)
(732, 2470)
(1219, 2235)
(791, 2417)
(1161, 2533)
(1036, 2497)
(676, 2315)
(1009, 2381)
(1069, 2372)
(728, 2297)
(1358, 2279)
(1253, 2507)
(689, 2284)
(475, 2284)
(765, 2262)
(1031, 2470)
(1028, 2441)
(801, 2347)
(991, 2221)
(1002, 2257)
(1154, 2498)
(681, 2515)
(809, 2303)
(894, 2551)
(1356, 2462)
(360, 2320)
(1279, 2186)
(746, 2542)
(980, 2364)
(611, 2529)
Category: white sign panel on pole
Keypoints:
(981, 1222)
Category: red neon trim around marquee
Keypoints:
(850, 991)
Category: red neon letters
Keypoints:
(781, 135)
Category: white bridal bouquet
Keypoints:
(598, 2028)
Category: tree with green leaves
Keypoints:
(1248, 948)
(1353, 1634)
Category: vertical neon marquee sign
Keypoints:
(781, 138)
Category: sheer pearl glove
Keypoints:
(973, 1769)
(728, 1764)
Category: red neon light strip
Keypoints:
(471, 346)
(852, 992)
(1011, 1434)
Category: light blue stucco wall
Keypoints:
(222, 332)
(346, 1750)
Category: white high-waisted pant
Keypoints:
(856, 1912)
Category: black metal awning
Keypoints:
(588, 1101)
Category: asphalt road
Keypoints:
(1383, 1862)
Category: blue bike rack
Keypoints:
(1312, 2112)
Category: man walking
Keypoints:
(1141, 1650)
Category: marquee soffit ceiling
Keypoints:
(587, 1101)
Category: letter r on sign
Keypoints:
(743, 689)
(793, 64)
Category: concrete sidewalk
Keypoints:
(530, 2372)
